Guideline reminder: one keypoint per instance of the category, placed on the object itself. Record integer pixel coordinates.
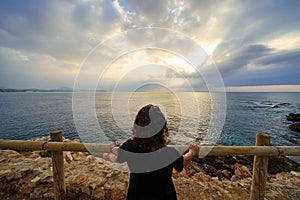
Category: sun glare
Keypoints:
(286, 42)
(210, 46)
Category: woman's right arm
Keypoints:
(193, 151)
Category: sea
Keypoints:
(109, 116)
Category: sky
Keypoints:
(125, 45)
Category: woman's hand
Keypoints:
(114, 147)
(194, 148)
(115, 144)
(193, 151)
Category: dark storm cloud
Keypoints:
(282, 58)
(242, 57)
(280, 76)
(259, 65)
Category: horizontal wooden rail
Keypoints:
(54, 146)
(204, 150)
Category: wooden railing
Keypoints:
(261, 152)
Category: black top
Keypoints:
(151, 172)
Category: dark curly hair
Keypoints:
(150, 128)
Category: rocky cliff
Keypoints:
(27, 175)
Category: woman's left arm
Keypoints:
(114, 146)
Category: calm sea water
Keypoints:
(28, 115)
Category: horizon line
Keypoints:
(257, 88)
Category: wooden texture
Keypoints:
(58, 168)
(105, 148)
(260, 170)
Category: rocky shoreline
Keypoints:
(295, 118)
(28, 175)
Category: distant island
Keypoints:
(45, 90)
(34, 90)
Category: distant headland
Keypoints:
(64, 89)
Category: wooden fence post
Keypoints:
(58, 168)
(260, 169)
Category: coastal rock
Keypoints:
(278, 164)
(210, 170)
(227, 174)
(283, 176)
(68, 157)
(202, 177)
(295, 126)
(227, 165)
(34, 155)
(85, 177)
(295, 173)
(241, 171)
(79, 155)
(221, 166)
(293, 117)
(280, 105)
(233, 178)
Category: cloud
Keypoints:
(146, 10)
(94, 15)
(19, 70)
(260, 65)
(59, 28)
(255, 64)
(281, 58)
(242, 57)
(252, 43)
(262, 21)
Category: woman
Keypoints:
(150, 161)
